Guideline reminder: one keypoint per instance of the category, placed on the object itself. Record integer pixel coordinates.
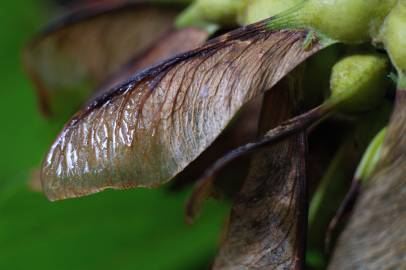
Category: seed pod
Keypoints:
(358, 82)
(393, 35)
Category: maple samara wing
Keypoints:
(144, 132)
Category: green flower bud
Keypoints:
(359, 82)
(393, 35)
(256, 10)
(202, 12)
(348, 21)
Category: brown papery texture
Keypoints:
(267, 225)
(145, 132)
(375, 237)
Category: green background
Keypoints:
(135, 229)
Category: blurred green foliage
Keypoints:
(134, 229)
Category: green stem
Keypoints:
(402, 81)
(370, 158)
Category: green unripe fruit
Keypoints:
(256, 10)
(348, 21)
(359, 82)
(393, 35)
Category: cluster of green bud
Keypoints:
(348, 21)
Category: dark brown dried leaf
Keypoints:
(268, 220)
(145, 132)
(282, 131)
(73, 55)
(375, 237)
